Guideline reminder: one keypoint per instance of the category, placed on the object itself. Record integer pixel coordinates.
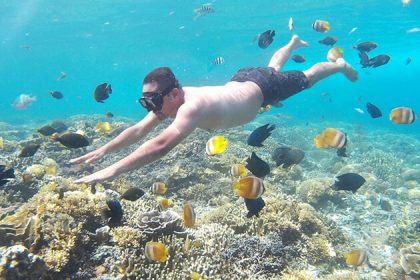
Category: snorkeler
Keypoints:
(210, 107)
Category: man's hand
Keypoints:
(101, 175)
(89, 157)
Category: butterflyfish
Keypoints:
(165, 203)
(189, 215)
(250, 187)
(402, 115)
(216, 145)
(356, 257)
(321, 26)
(238, 170)
(330, 138)
(156, 251)
(158, 188)
(334, 54)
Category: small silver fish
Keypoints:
(219, 60)
(413, 30)
(62, 76)
(353, 30)
(408, 61)
(358, 110)
(291, 24)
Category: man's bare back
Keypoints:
(233, 104)
(225, 106)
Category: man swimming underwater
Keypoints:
(209, 107)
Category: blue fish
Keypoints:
(257, 166)
(373, 110)
(254, 206)
(259, 135)
(266, 38)
(349, 182)
(5, 175)
(113, 215)
(286, 156)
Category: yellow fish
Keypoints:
(330, 138)
(334, 54)
(189, 215)
(195, 275)
(356, 257)
(238, 170)
(321, 26)
(104, 127)
(216, 145)
(402, 115)
(165, 203)
(158, 188)
(156, 251)
(249, 187)
(1, 143)
(265, 109)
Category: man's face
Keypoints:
(152, 88)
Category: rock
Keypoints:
(411, 174)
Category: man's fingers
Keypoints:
(86, 180)
(78, 160)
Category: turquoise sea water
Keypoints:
(120, 42)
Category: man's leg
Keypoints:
(281, 56)
(324, 69)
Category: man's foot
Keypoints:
(347, 70)
(296, 42)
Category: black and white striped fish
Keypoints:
(203, 10)
(219, 60)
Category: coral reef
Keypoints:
(50, 226)
(410, 260)
(318, 191)
(17, 263)
(59, 223)
(127, 237)
(294, 225)
(155, 223)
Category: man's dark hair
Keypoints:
(164, 77)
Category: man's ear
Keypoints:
(175, 92)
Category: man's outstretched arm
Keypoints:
(186, 121)
(129, 136)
